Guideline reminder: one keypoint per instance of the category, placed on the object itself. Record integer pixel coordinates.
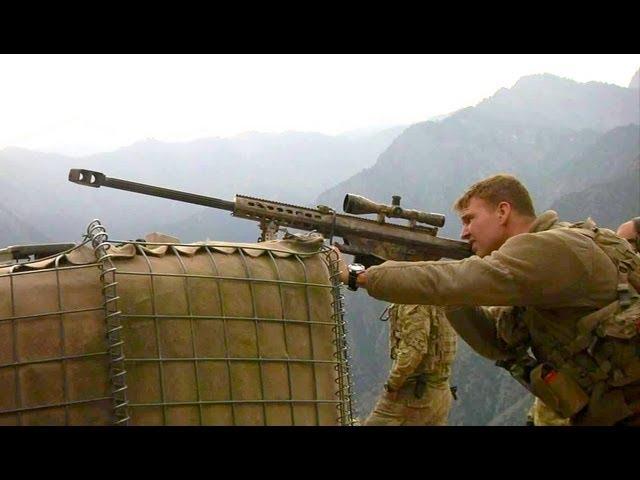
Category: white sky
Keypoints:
(80, 104)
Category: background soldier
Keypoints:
(423, 346)
(631, 232)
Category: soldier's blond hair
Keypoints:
(499, 188)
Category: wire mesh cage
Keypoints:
(156, 332)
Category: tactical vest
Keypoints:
(587, 363)
(439, 352)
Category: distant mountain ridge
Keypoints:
(292, 167)
(550, 101)
(635, 80)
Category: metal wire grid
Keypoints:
(97, 235)
(254, 318)
(63, 358)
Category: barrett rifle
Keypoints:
(370, 241)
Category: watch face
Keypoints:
(356, 268)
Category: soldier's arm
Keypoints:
(477, 327)
(529, 269)
(414, 335)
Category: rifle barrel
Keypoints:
(90, 178)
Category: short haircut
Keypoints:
(499, 188)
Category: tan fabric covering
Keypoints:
(515, 274)
(168, 321)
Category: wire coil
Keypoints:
(97, 235)
(346, 407)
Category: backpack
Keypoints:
(585, 377)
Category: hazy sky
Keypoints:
(79, 104)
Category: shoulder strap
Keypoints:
(618, 251)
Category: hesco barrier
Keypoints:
(156, 332)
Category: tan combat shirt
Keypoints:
(560, 271)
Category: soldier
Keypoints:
(540, 415)
(631, 232)
(569, 293)
(422, 345)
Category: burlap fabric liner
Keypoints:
(53, 347)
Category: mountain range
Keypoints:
(575, 145)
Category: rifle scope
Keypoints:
(358, 205)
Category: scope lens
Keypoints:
(346, 203)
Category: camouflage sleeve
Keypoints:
(493, 332)
(478, 327)
(414, 327)
(510, 330)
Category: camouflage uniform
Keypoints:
(422, 345)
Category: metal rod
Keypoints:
(224, 330)
(30, 272)
(50, 314)
(313, 356)
(54, 405)
(222, 317)
(62, 342)
(157, 331)
(193, 340)
(54, 359)
(96, 179)
(240, 279)
(226, 402)
(255, 314)
(14, 329)
(232, 359)
(284, 332)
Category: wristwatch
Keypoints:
(354, 270)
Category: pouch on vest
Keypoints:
(605, 408)
(623, 323)
(557, 390)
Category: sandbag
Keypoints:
(212, 333)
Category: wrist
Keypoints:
(355, 271)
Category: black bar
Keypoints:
(90, 178)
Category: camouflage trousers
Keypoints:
(432, 409)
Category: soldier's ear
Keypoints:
(504, 211)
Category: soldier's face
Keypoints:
(482, 227)
(628, 232)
